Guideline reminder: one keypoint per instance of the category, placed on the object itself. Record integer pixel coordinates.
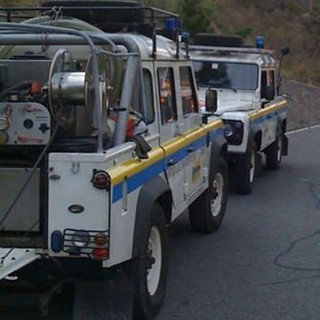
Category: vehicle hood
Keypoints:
(229, 100)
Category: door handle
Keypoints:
(171, 163)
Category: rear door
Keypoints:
(191, 130)
(171, 139)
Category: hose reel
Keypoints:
(68, 88)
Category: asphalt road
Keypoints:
(264, 262)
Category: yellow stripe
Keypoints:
(179, 142)
(133, 166)
(273, 107)
(214, 125)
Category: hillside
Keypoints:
(292, 23)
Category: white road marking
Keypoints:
(303, 129)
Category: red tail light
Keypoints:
(101, 180)
(100, 253)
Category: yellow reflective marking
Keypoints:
(133, 166)
(273, 107)
(214, 125)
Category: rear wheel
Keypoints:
(149, 270)
(274, 154)
(245, 170)
(207, 212)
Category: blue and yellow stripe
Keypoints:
(136, 172)
(266, 114)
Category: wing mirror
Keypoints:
(285, 51)
(211, 101)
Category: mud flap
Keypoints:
(13, 259)
(107, 300)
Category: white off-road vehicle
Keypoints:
(102, 145)
(247, 82)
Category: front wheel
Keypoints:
(245, 170)
(207, 212)
(274, 154)
(148, 271)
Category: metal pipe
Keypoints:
(95, 72)
(126, 99)
(48, 39)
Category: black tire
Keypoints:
(207, 212)
(274, 154)
(245, 170)
(148, 271)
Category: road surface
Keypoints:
(263, 263)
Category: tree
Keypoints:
(198, 16)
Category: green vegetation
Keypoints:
(292, 23)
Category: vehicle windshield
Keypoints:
(226, 75)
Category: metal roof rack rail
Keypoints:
(107, 15)
(230, 49)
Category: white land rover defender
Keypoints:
(102, 145)
(247, 82)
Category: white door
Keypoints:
(171, 139)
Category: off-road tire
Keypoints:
(207, 212)
(274, 154)
(245, 170)
(148, 271)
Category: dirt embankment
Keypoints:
(304, 104)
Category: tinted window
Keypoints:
(167, 95)
(148, 89)
(188, 95)
(268, 84)
(227, 75)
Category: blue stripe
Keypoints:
(140, 178)
(214, 134)
(266, 117)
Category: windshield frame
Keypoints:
(236, 87)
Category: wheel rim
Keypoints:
(252, 166)
(279, 149)
(217, 194)
(154, 260)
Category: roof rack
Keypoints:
(107, 15)
(225, 50)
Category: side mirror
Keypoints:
(285, 51)
(211, 100)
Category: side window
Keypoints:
(272, 82)
(264, 84)
(267, 84)
(148, 89)
(187, 89)
(167, 95)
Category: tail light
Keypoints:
(101, 180)
(100, 253)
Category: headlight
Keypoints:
(80, 238)
(233, 131)
(228, 130)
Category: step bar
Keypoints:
(13, 259)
